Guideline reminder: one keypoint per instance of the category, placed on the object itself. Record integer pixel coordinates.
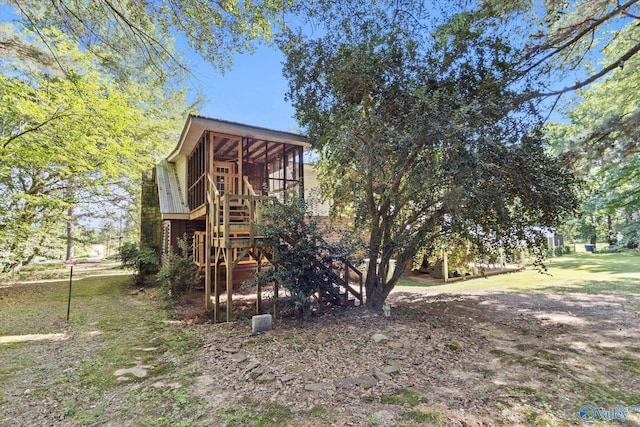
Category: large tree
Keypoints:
(70, 143)
(423, 135)
(600, 139)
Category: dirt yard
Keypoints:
(458, 360)
(474, 358)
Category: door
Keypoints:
(225, 176)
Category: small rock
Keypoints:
(251, 366)
(261, 323)
(345, 382)
(366, 381)
(257, 372)
(396, 345)
(239, 357)
(381, 376)
(287, 378)
(230, 349)
(379, 337)
(266, 378)
(391, 369)
(316, 386)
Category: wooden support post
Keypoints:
(445, 265)
(259, 284)
(207, 262)
(229, 265)
(275, 299)
(216, 286)
(241, 189)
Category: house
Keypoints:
(211, 188)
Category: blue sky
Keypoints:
(252, 92)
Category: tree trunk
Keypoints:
(375, 294)
(612, 237)
(70, 242)
(376, 285)
(593, 236)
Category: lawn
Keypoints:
(576, 273)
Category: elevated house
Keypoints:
(211, 187)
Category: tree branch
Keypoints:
(619, 63)
(35, 128)
(596, 22)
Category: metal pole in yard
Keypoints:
(69, 300)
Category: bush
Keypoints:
(180, 273)
(142, 260)
(301, 253)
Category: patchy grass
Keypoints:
(424, 416)
(506, 354)
(111, 327)
(632, 364)
(406, 397)
(251, 413)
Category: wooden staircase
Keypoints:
(231, 222)
(345, 284)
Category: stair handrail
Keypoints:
(214, 210)
(249, 188)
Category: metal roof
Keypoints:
(171, 200)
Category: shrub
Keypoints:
(180, 272)
(142, 260)
(301, 253)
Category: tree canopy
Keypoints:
(112, 29)
(71, 140)
(424, 136)
(600, 141)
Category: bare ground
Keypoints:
(463, 360)
(456, 360)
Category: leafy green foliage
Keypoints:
(70, 143)
(424, 140)
(119, 31)
(180, 273)
(601, 143)
(142, 260)
(301, 253)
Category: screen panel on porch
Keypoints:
(196, 175)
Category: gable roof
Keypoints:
(196, 125)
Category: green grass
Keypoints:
(425, 417)
(581, 272)
(404, 397)
(110, 328)
(252, 413)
